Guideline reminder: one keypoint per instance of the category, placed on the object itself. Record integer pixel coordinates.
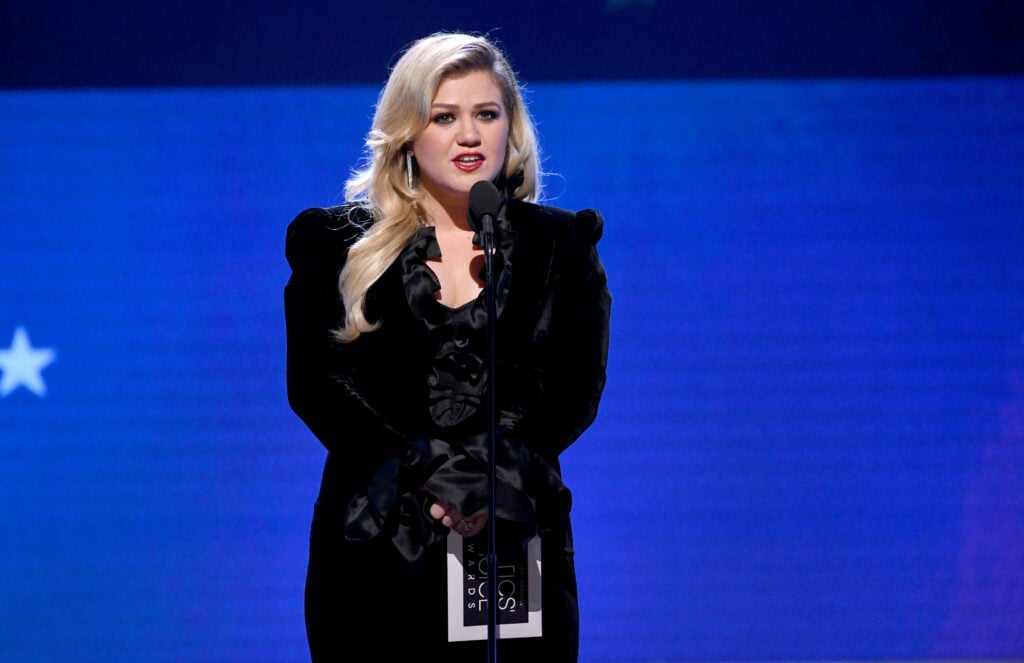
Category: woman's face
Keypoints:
(465, 140)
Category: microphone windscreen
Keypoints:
(484, 200)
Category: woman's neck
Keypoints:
(448, 213)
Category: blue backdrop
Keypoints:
(812, 440)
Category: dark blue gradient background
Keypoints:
(811, 445)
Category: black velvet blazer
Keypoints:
(366, 401)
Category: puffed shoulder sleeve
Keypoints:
(577, 354)
(319, 378)
(318, 239)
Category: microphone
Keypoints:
(484, 202)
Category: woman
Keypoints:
(386, 326)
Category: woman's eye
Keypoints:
(488, 115)
(443, 118)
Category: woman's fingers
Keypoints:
(438, 509)
(449, 517)
(470, 525)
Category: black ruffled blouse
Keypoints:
(449, 462)
(400, 410)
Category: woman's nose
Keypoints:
(468, 134)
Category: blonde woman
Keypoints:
(386, 331)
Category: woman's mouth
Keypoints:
(469, 161)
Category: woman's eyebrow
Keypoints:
(482, 104)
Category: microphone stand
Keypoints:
(492, 539)
(484, 206)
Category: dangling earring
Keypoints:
(408, 168)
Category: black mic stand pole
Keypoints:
(492, 539)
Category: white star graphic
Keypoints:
(22, 364)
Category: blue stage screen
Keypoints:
(811, 445)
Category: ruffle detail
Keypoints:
(449, 462)
(531, 497)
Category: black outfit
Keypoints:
(401, 413)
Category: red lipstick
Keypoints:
(468, 161)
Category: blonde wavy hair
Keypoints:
(402, 111)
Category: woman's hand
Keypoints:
(460, 524)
